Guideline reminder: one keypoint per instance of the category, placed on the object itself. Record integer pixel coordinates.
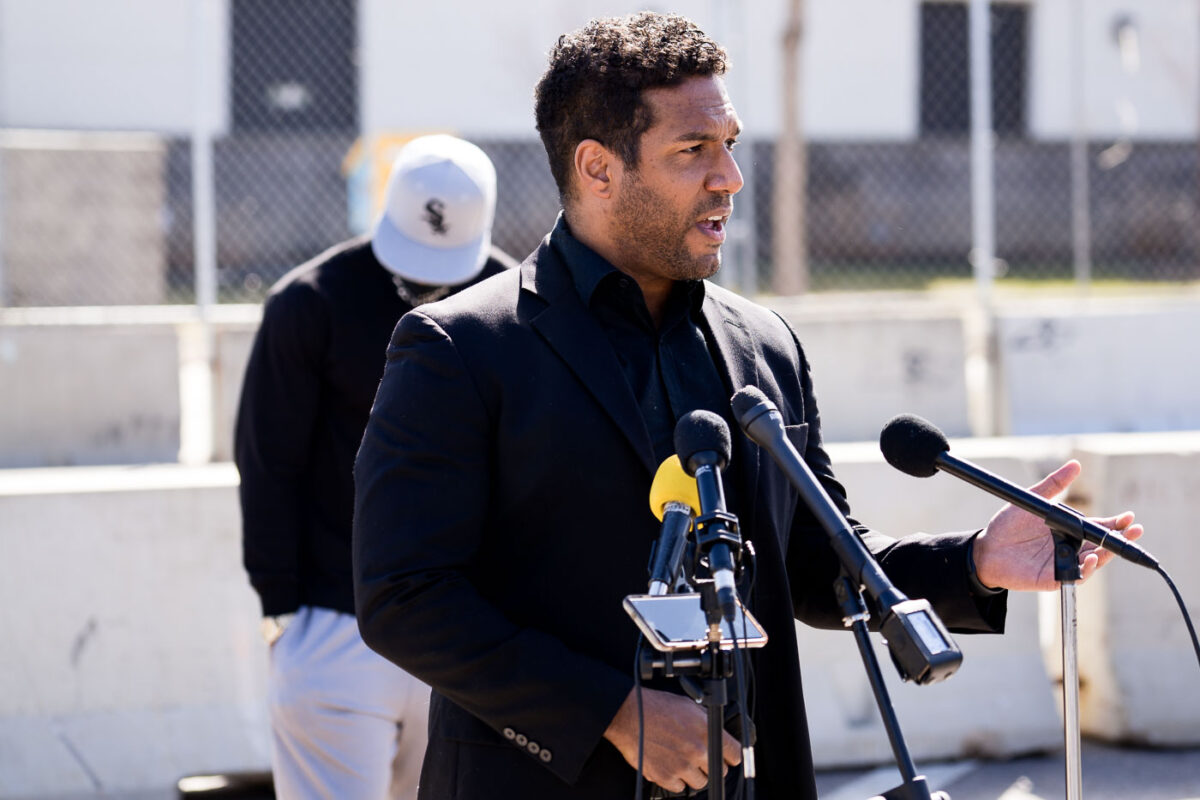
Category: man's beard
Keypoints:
(648, 234)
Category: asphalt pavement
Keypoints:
(1109, 773)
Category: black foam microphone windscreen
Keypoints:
(912, 444)
(702, 431)
(745, 399)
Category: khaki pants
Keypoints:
(347, 723)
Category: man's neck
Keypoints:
(594, 233)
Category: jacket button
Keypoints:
(521, 739)
(534, 747)
(545, 756)
(509, 733)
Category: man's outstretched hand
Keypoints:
(1016, 550)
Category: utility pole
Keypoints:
(789, 242)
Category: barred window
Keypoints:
(945, 68)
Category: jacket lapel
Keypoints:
(740, 362)
(571, 331)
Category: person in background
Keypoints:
(346, 722)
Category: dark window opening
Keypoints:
(945, 69)
(294, 65)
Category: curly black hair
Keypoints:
(592, 88)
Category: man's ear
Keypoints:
(594, 166)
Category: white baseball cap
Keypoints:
(436, 224)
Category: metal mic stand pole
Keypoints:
(1066, 572)
(914, 787)
(716, 694)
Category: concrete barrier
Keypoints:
(88, 394)
(115, 385)
(233, 344)
(149, 399)
(1101, 366)
(131, 651)
(133, 655)
(1000, 703)
(872, 361)
(916, 365)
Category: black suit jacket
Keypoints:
(501, 517)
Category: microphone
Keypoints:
(915, 446)
(674, 500)
(920, 645)
(703, 446)
(763, 423)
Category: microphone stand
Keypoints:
(854, 609)
(712, 666)
(715, 694)
(715, 528)
(1066, 572)
(920, 646)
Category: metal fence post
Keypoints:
(3, 280)
(740, 270)
(1081, 218)
(789, 273)
(3, 154)
(985, 373)
(203, 191)
(197, 384)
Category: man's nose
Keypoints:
(725, 177)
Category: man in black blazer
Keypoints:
(501, 485)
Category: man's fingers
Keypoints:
(731, 749)
(1058, 481)
(1098, 556)
(695, 778)
(1118, 523)
(677, 776)
(676, 784)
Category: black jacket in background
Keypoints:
(309, 385)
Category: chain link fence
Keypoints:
(107, 218)
(898, 214)
(279, 175)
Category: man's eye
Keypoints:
(731, 143)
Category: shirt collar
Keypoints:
(588, 268)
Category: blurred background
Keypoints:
(205, 147)
(984, 213)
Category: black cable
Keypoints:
(743, 676)
(737, 674)
(637, 688)
(751, 689)
(1183, 608)
(745, 786)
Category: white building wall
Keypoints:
(127, 65)
(475, 72)
(470, 66)
(1152, 94)
(861, 75)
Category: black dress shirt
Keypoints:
(670, 369)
